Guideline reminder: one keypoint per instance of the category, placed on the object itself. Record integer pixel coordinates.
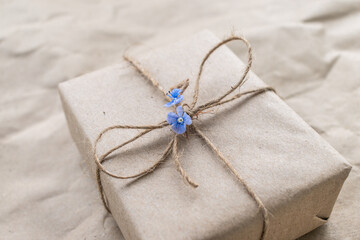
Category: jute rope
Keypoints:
(193, 111)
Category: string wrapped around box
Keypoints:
(193, 111)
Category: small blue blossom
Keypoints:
(175, 96)
(178, 121)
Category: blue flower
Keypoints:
(178, 121)
(175, 96)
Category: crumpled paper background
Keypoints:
(307, 50)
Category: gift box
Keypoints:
(295, 173)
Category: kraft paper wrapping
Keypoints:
(292, 169)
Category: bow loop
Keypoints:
(238, 84)
(147, 128)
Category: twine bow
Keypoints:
(193, 111)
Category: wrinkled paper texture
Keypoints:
(307, 50)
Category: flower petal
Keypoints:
(169, 104)
(171, 118)
(187, 119)
(179, 111)
(175, 92)
(178, 100)
(178, 128)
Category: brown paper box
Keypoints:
(293, 170)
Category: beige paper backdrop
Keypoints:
(308, 50)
